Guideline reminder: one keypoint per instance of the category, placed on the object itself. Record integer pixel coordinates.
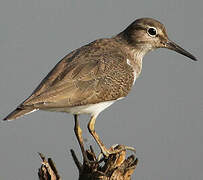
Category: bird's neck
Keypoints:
(135, 53)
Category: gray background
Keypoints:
(162, 116)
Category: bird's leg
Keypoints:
(78, 133)
(106, 152)
(91, 128)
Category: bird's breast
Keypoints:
(134, 70)
(135, 61)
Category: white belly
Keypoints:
(93, 109)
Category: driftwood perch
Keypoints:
(48, 170)
(116, 167)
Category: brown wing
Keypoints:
(86, 76)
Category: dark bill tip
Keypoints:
(173, 46)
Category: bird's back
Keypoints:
(94, 73)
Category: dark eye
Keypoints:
(152, 31)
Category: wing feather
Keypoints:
(85, 76)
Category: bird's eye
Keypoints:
(152, 31)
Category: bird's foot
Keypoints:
(115, 149)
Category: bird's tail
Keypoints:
(18, 112)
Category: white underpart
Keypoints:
(128, 62)
(93, 109)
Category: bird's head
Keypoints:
(148, 34)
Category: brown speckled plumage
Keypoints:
(91, 74)
(91, 78)
(99, 71)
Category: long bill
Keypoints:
(173, 46)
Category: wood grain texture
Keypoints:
(116, 167)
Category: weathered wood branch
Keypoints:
(48, 170)
(116, 167)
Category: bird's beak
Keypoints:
(173, 46)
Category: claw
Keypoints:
(116, 148)
(130, 149)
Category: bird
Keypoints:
(94, 76)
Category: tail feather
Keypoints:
(18, 113)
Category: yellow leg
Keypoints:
(78, 133)
(104, 150)
(91, 128)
